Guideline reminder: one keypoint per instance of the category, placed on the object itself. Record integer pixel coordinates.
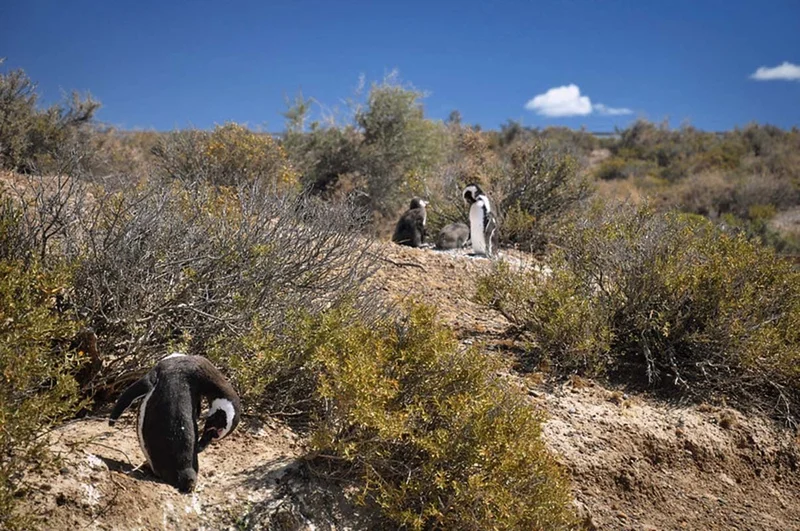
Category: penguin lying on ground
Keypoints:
(452, 236)
(410, 229)
(167, 424)
(482, 222)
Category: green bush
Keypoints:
(611, 169)
(38, 390)
(666, 299)
(39, 139)
(426, 431)
(567, 330)
(323, 155)
(400, 145)
(386, 149)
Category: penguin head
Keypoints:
(418, 203)
(471, 193)
(222, 417)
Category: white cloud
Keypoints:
(567, 101)
(561, 101)
(605, 110)
(786, 71)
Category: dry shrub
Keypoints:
(668, 300)
(539, 188)
(48, 211)
(119, 159)
(173, 267)
(765, 189)
(421, 428)
(707, 194)
(620, 190)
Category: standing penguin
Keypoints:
(167, 424)
(410, 229)
(482, 222)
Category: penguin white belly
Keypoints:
(476, 228)
(140, 427)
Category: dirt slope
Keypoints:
(635, 463)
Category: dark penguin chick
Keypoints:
(410, 229)
(452, 236)
(482, 222)
(167, 424)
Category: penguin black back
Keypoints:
(167, 423)
(410, 228)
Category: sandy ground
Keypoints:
(636, 463)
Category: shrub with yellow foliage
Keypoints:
(227, 156)
(38, 388)
(426, 431)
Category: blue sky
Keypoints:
(167, 64)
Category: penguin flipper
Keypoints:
(136, 390)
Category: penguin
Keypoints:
(167, 423)
(452, 236)
(482, 222)
(410, 229)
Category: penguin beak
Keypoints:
(209, 435)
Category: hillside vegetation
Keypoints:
(255, 250)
